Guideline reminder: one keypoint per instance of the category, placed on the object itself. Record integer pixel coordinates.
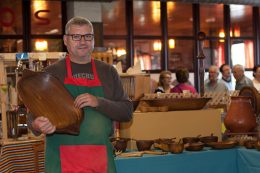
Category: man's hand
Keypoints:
(86, 100)
(43, 125)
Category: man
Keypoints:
(226, 76)
(98, 91)
(213, 84)
(241, 79)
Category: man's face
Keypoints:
(79, 48)
(238, 73)
(226, 72)
(257, 73)
(213, 74)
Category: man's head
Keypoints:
(226, 71)
(238, 72)
(79, 39)
(213, 74)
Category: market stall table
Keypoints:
(236, 160)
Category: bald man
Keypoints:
(241, 79)
(213, 84)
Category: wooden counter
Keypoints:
(153, 125)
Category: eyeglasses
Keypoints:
(78, 37)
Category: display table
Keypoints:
(237, 160)
(25, 156)
(248, 161)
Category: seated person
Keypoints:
(213, 84)
(164, 84)
(182, 76)
(256, 74)
(241, 79)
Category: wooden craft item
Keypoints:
(46, 96)
(240, 117)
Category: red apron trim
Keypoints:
(83, 158)
(81, 81)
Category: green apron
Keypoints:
(94, 130)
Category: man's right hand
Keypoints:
(43, 125)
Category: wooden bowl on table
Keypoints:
(250, 144)
(198, 146)
(119, 144)
(208, 139)
(190, 139)
(143, 145)
(176, 147)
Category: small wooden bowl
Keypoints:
(119, 144)
(208, 139)
(194, 146)
(143, 145)
(250, 144)
(164, 140)
(175, 147)
(190, 140)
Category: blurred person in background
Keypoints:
(256, 74)
(226, 76)
(241, 79)
(213, 84)
(164, 84)
(182, 76)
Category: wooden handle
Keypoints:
(155, 152)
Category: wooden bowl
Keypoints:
(194, 146)
(250, 144)
(119, 144)
(45, 95)
(143, 145)
(208, 139)
(176, 147)
(190, 140)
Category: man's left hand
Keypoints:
(86, 100)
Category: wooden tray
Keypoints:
(178, 103)
(45, 95)
(153, 109)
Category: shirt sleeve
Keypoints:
(116, 104)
